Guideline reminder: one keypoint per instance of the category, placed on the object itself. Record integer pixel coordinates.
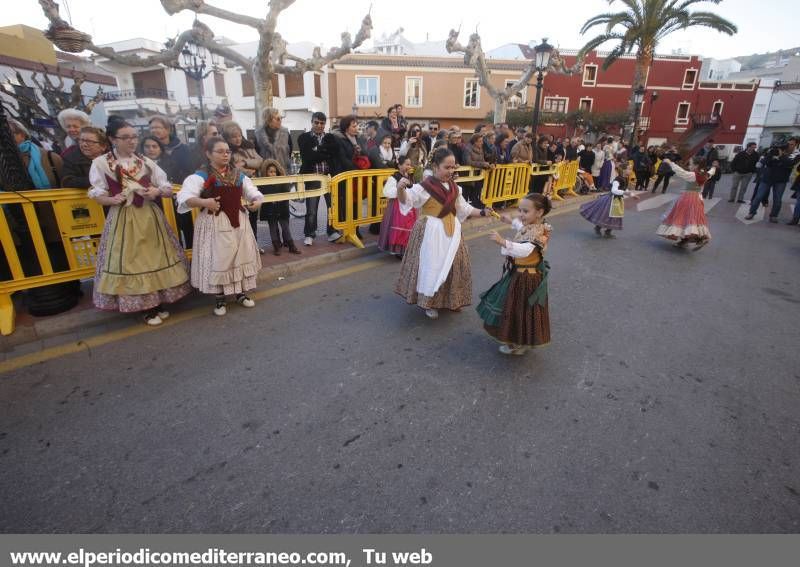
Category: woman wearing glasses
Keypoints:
(225, 258)
(140, 264)
(92, 143)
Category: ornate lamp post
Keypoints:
(638, 98)
(193, 64)
(542, 54)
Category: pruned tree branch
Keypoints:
(173, 7)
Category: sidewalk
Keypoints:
(36, 333)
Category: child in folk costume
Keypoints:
(396, 227)
(436, 272)
(225, 257)
(686, 220)
(515, 310)
(606, 212)
(140, 263)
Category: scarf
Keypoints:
(35, 169)
(446, 197)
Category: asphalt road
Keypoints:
(667, 403)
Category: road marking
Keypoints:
(178, 318)
(709, 204)
(656, 202)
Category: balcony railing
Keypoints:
(132, 94)
(706, 119)
(644, 123)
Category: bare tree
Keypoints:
(30, 107)
(476, 58)
(270, 58)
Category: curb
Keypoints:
(67, 323)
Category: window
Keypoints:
(367, 91)
(522, 94)
(195, 88)
(472, 96)
(248, 86)
(585, 105)
(682, 116)
(219, 84)
(414, 92)
(276, 88)
(716, 109)
(317, 85)
(590, 75)
(555, 104)
(294, 84)
(689, 78)
(149, 82)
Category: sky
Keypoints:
(764, 26)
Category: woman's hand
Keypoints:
(495, 237)
(253, 206)
(506, 218)
(212, 204)
(117, 199)
(151, 193)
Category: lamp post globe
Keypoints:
(542, 53)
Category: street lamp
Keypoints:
(638, 98)
(354, 108)
(542, 54)
(194, 66)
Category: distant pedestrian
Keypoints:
(743, 166)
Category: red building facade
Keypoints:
(679, 107)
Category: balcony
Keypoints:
(701, 120)
(644, 123)
(133, 94)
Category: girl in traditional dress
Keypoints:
(140, 264)
(435, 273)
(396, 227)
(515, 309)
(606, 211)
(686, 220)
(225, 258)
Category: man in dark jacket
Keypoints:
(776, 168)
(709, 152)
(641, 167)
(743, 166)
(317, 151)
(664, 171)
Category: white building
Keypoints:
(718, 69)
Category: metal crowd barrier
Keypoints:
(63, 226)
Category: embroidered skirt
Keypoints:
(686, 219)
(454, 293)
(225, 258)
(597, 213)
(508, 316)
(395, 228)
(140, 263)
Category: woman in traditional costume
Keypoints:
(435, 273)
(396, 227)
(515, 310)
(140, 263)
(225, 258)
(686, 221)
(606, 211)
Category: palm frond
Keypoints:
(599, 20)
(599, 40)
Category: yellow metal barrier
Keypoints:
(567, 172)
(507, 182)
(357, 200)
(79, 223)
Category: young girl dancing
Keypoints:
(514, 310)
(606, 212)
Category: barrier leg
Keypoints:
(350, 236)
(6, 314)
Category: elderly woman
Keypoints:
(203, 132)
(273, 141)
(72, 120)
(92, 143)
(44, 167)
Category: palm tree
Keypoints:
(642, 25)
